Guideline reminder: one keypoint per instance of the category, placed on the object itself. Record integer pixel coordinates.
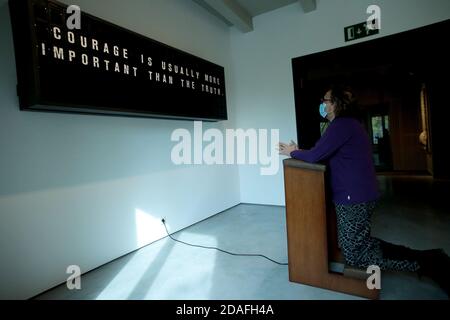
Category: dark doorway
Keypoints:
(401, 83)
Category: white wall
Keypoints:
(262, 72)
(84, 190)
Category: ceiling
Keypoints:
(240, 13)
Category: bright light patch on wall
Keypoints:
(148, 228)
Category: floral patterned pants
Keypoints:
(358, 247)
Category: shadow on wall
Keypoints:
(128, 277)
(51, 150)
(90, 282)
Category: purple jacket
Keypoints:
(346, 148)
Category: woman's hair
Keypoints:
(344, 100)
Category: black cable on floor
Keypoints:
(224, 251)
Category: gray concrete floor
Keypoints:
(411, 213)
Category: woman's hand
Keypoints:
(286, 149)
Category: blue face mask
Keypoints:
(323, 110)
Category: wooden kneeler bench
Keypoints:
(312, 233)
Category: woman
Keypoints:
(346, 149)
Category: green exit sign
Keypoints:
(359, 31)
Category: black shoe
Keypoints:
(397, 252)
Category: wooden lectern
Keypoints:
(312, 234)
